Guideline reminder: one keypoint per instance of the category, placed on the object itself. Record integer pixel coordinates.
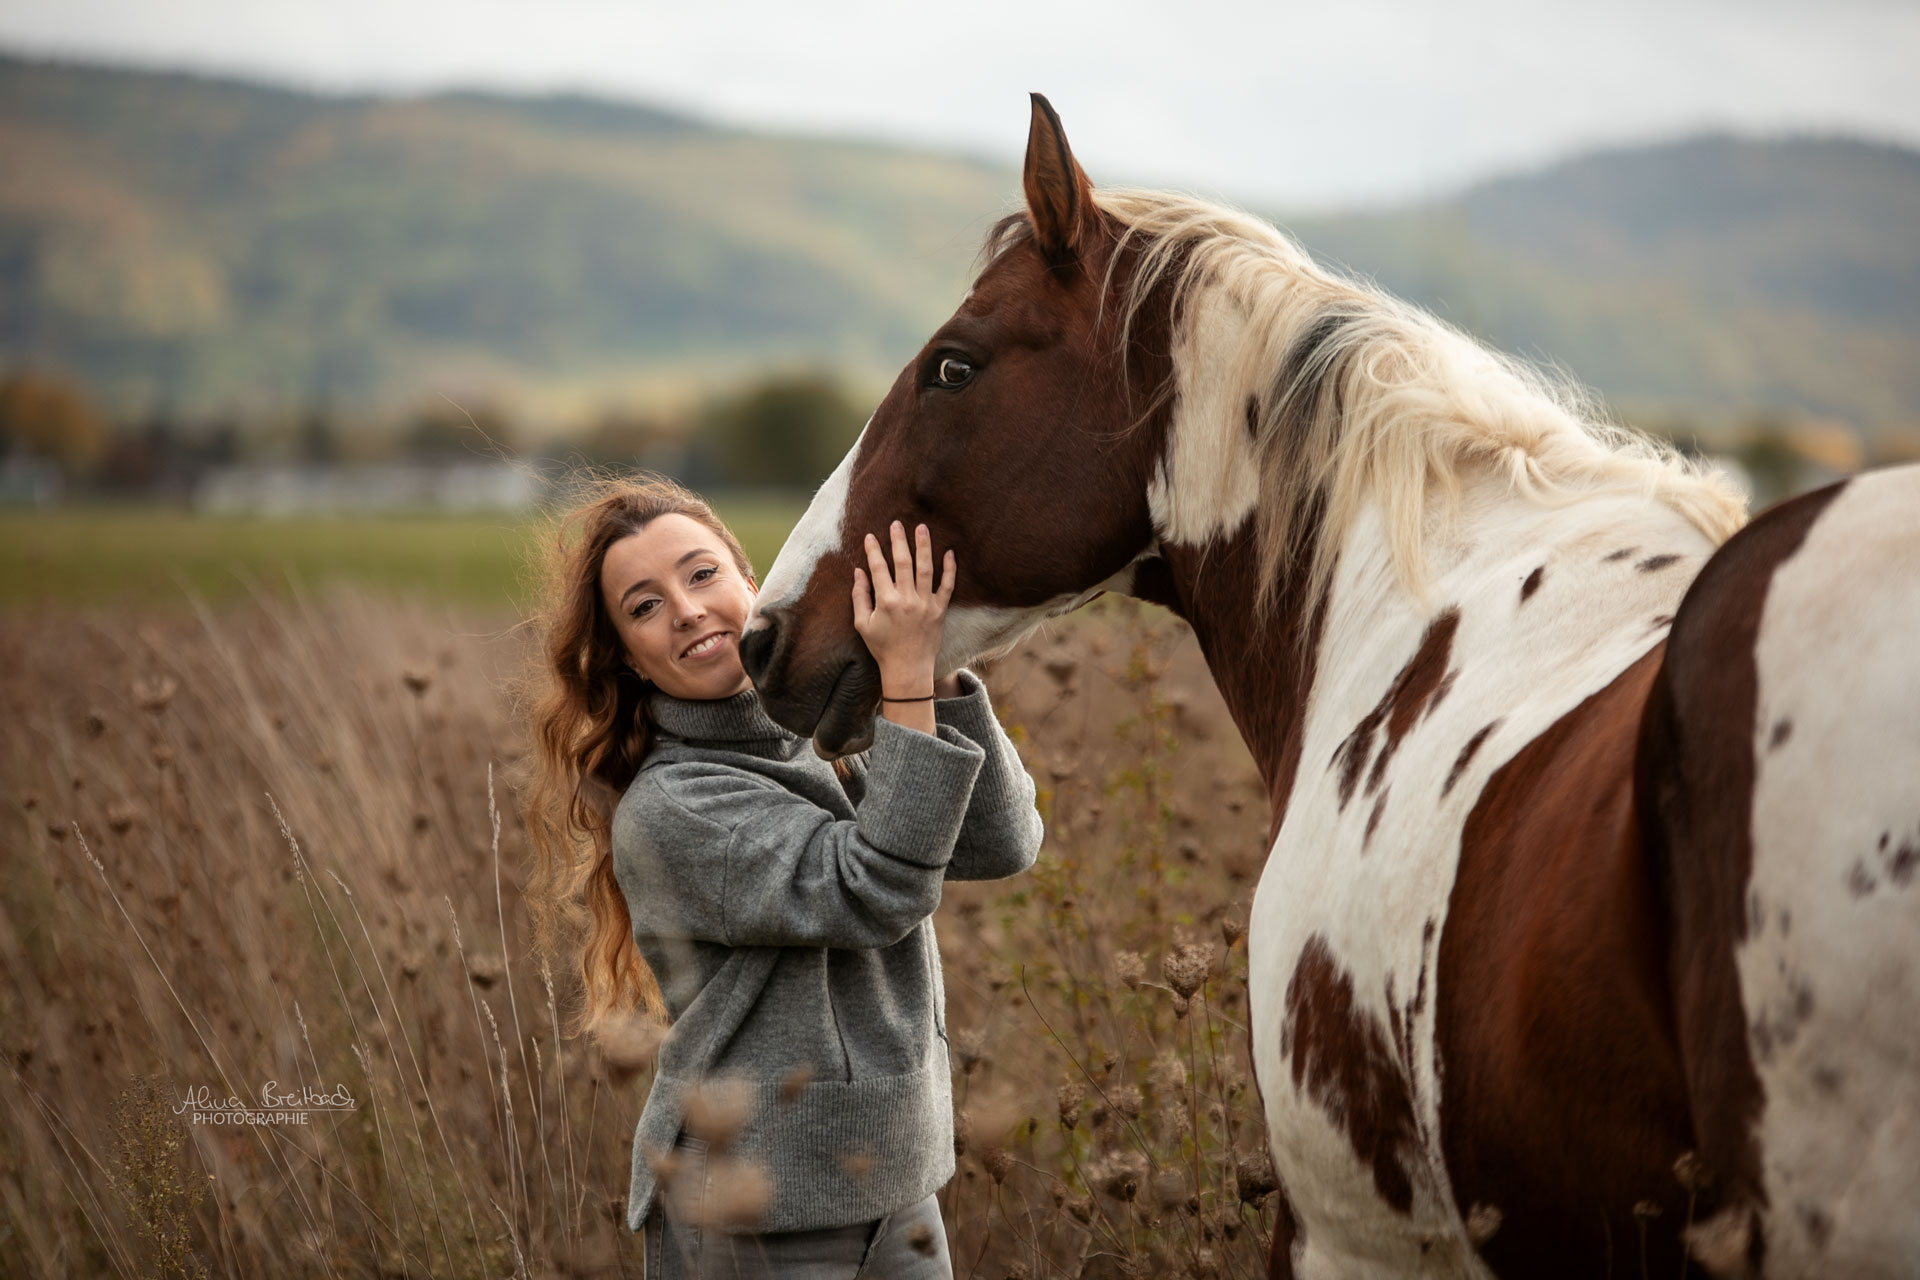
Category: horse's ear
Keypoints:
(1059, 195)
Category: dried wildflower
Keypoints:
(970, 1045)
(1068, 1098)
(1645, 1209)
(717, 1110)
(1129, 967)
(1482, 1221)
(1061, 667)
(153, 695)
(1120, 1174)
(1080, 1209)
(161, 755)
(94, 723)
(736, 1196)
(1232, 930)
(1691, 1171)
(1168, 1073)
(1019, 1271)
(962, 1132)
(1254, 1176)
(485, 968)
(1185, 968)
(417, 681)
(1723, 1242)
(1180, 1005)
(1126, 1100)
(997, 1163)
(1169, 1188)
(1059, 1193)
(120, 817)
(794, 1083)
(628, 1044)
(921, 1241)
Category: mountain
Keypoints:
(217, 246)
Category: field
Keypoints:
(274, 838)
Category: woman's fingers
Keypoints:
(877, 569)
(923, 560)
(946, 579)
(862, 601)
(902, 556)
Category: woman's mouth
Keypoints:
(706, 648)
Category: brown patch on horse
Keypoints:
(1373, 819)
(1782, 730)
(1695, 776)
(1532, 584)
(1653, 564)
(1399, 707)
(1562, 1097)
(1621, 554)
(1341, 1058)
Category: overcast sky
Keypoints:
(1301, 105)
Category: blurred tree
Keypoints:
(443, 432)
(318, 441)
(626, 440)
(787, 432)
(47, 417)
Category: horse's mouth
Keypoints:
(845, 726)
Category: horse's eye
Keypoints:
(953, 372)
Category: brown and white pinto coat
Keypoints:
(1588, 933)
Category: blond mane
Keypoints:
(1369, 398)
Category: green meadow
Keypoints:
(154, 556)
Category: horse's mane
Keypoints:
(1369, 397)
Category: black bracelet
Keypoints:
(885, 698)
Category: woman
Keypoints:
(776, 908)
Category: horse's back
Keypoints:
(1780, 771)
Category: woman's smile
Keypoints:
(708, 647)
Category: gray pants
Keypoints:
(908, 1244)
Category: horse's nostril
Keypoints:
(756, 648)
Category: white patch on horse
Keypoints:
(817, 534)
(1207, 479)
(1380, 904)
(1830, 970)
(987, 631)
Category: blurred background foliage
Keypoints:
(204, 278)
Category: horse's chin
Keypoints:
(845, 726)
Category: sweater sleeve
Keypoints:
(722, 855)
(1002, 831)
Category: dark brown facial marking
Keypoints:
(1532, 584)
(1860, 881)
(1653, 564)
(1901, 866)
(1819, 1226)
(1782, 730)
(1465, 758)
(1446, 687)
(1411, 692)
(1621, 554)
(1341, 1059)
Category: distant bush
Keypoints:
(788, 432)
(45, 417)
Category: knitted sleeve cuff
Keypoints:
(917, 789)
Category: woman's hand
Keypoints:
(899, 613)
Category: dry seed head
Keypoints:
(1691, 1171)
(1232, 930)
(1169, 1073)
(716, 1111)
(971, 1046)
(1169, 1188)
(417, 681)
(1129, 967)
(1068, 1098)
(736, 1197)
(1121, 1173)
(1254, 1175)
(998, 1163)
(628, 1045)
(1126, 1100)
(1080, 1209)
(794, 1083)
(1185, 968)
(1482, 1221)
(153, 694)
(962, 1132)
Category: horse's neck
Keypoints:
(1533, 597)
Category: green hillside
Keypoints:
(224, 247)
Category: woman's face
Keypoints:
(669, 589)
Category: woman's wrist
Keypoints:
(907, 683)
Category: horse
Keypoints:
(1586, 943)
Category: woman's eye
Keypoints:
(707, 571)
(953, 372)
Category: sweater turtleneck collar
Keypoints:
(739, 718)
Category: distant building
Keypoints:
(290, 489)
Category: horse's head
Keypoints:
(1006, 435)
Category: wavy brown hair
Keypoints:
(590, 731)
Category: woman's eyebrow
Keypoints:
(647, 582)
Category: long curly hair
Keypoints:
(586, 709)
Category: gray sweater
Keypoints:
(788, 919)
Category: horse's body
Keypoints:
(1586, 935)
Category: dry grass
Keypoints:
(262, 846)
